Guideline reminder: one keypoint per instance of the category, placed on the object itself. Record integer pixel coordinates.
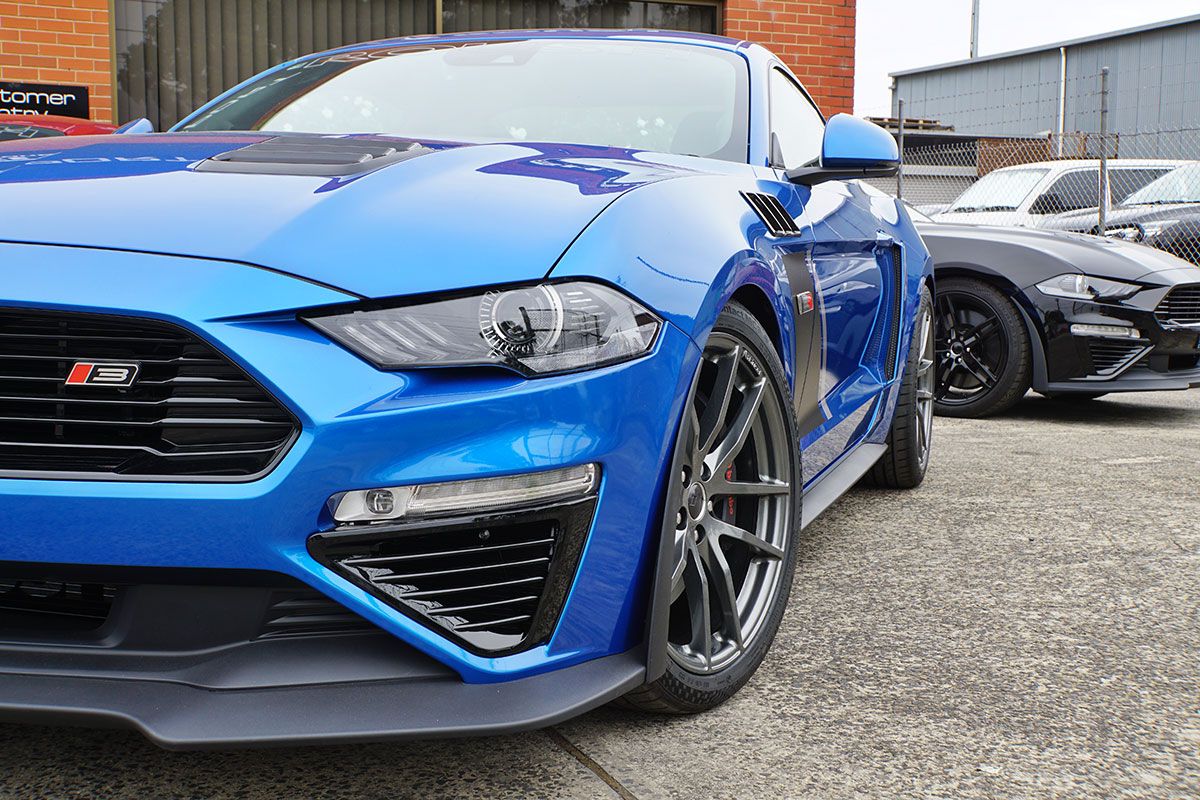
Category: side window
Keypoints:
(1072, 191)
(1124, 182)
(795, 122)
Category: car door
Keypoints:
(849, 268)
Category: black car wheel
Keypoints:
(910, 438)
(984, 361)
(735, 521)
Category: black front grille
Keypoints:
(190, 413)
(1181, 306)
(494, 584)
(52, 605)
(1112, 355)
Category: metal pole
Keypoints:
(900, 146)
(1062, 98)
(1103, 150)
(974, 29)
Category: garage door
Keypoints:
(174, 55)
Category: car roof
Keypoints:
(627, 34)
(1119, 163)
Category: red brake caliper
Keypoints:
(729, 500)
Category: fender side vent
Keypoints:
(891, 368)
(778, 221)
(315, 156)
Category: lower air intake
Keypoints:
(1110, 356)
(51, 605)
(494, 584)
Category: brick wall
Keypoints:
(815, 39)
(59, 41)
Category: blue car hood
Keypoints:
(455, 216)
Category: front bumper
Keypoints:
(1161, 359)
(359, 428)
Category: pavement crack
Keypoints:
(583, 758)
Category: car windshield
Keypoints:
(1180, 185)
(1003, 190)
(671, 98)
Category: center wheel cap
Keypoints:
(696, 501)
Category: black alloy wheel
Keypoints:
(735, 521)
(984, 364)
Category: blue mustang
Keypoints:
(441, 385)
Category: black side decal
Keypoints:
(809, 337)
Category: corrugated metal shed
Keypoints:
(1154, 85)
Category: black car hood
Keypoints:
(1088, 219)
(1026, 255)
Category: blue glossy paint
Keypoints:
(851, 142)
(233, 257)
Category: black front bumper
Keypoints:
(1163, 358)
(208, 661)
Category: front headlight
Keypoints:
(536, 330)
(1087, 287)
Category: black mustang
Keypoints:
(1068, 315)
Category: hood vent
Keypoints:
(315, 156)
(778, 221)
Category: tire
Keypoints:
(979, 381)
(910, 438)
(759, 573)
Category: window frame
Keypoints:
(778, 66)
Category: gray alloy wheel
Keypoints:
(735, 521)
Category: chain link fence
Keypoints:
(1142, 187)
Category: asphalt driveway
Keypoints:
(1027, 624)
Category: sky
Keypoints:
(900, 34)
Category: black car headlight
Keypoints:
(540, 329)
(1087, 287)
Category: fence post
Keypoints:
(900, 146)
(1103, 150)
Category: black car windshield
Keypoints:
(1181, 185)
(672, 98)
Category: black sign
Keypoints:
(43, 98)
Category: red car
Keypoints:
(28, 126)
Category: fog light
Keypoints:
(1109, 331)
(481, 495)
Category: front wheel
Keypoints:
(984, 353)
(910, 438)
(735, 521)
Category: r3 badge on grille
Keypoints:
(90, 373)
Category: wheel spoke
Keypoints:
(679, 553)
(709, 425)
(980, 331)
(722, 584)
(988, 379)
(719, 487)
(698, 606)
(722, 529)
(731, 443)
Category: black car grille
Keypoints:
(189, 414)
(1111, 355)
(53, 605)
(495, 584)
(1181, 306)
